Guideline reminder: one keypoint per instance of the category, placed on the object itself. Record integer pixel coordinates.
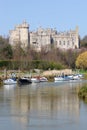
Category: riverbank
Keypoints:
(7, 73)
(83, 93)
(49, 74)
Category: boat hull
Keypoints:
(9, 81)
(35, 80)
(23, 81)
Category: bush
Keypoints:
(27, 65)
(83, 92)
(4, 63)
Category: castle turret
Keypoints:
(20, 34)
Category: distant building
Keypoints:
(43, 38)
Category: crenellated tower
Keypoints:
(20, 35)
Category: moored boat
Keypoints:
(43, 79)
(61, 78)
(76, 77)
(39, 79)
(35, 80)
(68, 77)
(24, 81)
(10, 81)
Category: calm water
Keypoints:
(42, 106)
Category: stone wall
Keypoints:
(43, 37)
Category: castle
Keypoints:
(43, 38)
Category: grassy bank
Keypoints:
(84, 72)
(83, 92)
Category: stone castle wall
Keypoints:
(43, 37)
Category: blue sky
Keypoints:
(60, 14)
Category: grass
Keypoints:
(83, 92)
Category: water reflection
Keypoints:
(41, 106)
(11, 86)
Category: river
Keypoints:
(43, 106)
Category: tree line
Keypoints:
(55, 58)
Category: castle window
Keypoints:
(60, 42)
(56, 42)
(73, 43)
(34, 42)
(52, 41)
(63, 42)
(67, 43)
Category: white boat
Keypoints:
(58, 78)
(10, 81)
(38, 79)
(35, 80)
(68, 77)
(43, 79)
(71, 77)
(76, 77)
(81, 76)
